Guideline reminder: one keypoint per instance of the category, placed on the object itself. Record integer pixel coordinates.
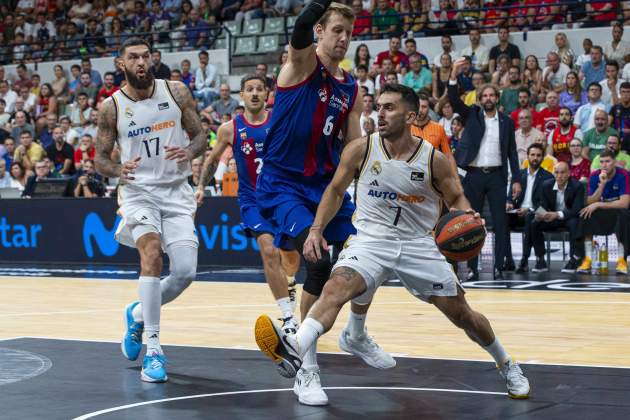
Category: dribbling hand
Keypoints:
(313, 245)
(129, 168)
(475, 214)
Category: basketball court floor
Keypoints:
(60, 329)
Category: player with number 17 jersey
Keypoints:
(302, 151)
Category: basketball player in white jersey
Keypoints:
(158, 131)
(401, 182)
(246, 134)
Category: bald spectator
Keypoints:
(596, 139)
(20, 125)
(555, 74)
(526, 135)
(222, 106)
(548, 117)
(562, 198)
(61, 154)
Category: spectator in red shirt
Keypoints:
(579, 166)
(525, 102)
(493, 16)
(601, 13)
(399, 59)
(85, 151)
(548, 118)
(545, 13)
(362, 22)
(23, 79)
(108, 88)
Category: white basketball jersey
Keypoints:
(144, 128)
(396, 199)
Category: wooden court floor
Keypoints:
(555, 327)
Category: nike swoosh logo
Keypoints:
(241, 129)
(292, 227)
(258, 225)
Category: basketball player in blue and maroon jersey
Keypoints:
(316, 104)
(246, 134)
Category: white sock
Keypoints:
(497, 352)
(356, 325)
(285, 307)
(309, 361)
(291, 281)
(588, 247)
(307, 335)
(621, 253)
(291, 287)
(151, 301)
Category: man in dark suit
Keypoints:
(562, 198)
(485, 150)
(521, 209)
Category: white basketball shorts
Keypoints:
(417, 263)
(168, 210)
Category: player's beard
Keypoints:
(136, 83)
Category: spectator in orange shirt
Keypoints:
(431, 131)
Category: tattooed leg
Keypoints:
(343, 285)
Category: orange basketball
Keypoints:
(459, 236)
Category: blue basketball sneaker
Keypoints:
(132, 341)
(153, 368)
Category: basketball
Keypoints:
(459, 236)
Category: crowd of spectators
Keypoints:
(36, 30)
(571, 116)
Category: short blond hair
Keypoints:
(342, 9)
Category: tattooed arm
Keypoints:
(225, 136)
(105, 140)
(191, 124)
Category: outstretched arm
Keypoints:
(302, 59)
(105, 139)
(349, 167)
(191, 124)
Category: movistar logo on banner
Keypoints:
(220, 236)
(95, 230)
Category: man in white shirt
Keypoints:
(447, 48)
(477, 52)
(585, 115)
(611, 85)
(8, 95)
(555, 74)
(521, 209)
(205, 81)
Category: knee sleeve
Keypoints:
(183, 269)
(317, 274)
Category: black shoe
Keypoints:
(509, 265)
(498, 274)
(541, 266)
(522, 267)
(571, 266)
(473, 275)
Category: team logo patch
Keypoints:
(246, 148)
(128, 112)
(162, 106)
(243, 136)
(376, 168)
(438, 286)
(323, 96)
(417, 176)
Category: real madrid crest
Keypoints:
(376, 168)
(128, 112)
